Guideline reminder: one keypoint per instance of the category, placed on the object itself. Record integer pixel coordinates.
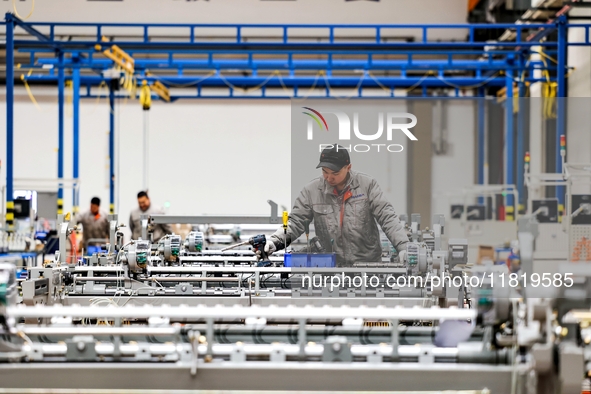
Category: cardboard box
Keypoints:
(485, 253)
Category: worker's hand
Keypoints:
(402, 256)
(269, 248)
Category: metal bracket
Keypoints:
(112, 233)
(274, 219)
(144, 221)
(194, 339)
(143, 352)
(277, 354)
(426, 355)
(81, 348)
(238, 354)
(183, 288)
(374, 357)
(394, 339)
(169, 219)
(337, 349)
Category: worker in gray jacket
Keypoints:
(145, 207)
(95, 224)
(344, 206)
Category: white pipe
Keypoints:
(92, 330)
(238, 312)
(312, 349)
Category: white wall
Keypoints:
(206, 157)
(579, 92)
(579, 57)
(454, 170)
(250, 11)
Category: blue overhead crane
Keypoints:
(287, 61)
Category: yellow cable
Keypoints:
(145, 96)
(29, 92)
(381, 85)
(416, 85)
(310, 90)
(548, 89)
(273, 74)
(469, 86)
(134, 87)
(515, 101)
(543, 54)
(125, 81)
(346, 97)
(285, 88)
(545, 72)
(69, 98)
(549, 96)
(16, 11)
(431, 72)
(182, 85)
(98, 98)
(246, 90)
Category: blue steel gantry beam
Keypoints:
(111, 149)
(309, 61)
(561, 100)
(509, 138)
(292, 35)
(9, 121)
(252, 49)
(356, 85)
(481, 120)
(61, 84)
(76, 136)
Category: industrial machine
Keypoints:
(504, 343)
(176, 271)
(175, 307)
(481, 215)
(564, 231)
(213, 319)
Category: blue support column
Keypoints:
(111, 150)
(76, 131)
(60, 132)
(509, 135)
(9, 120)
(481, 108)
(561, 100)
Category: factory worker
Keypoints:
(344, 206)
(146, 208)
(95, 224)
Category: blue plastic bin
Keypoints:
(304, 260)
(92, 249)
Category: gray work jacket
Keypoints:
(94, 227)
(356, 238)
(135, 224)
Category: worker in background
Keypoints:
(146, 208)
(95, 224)
(344, 206)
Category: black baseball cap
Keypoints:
(334, 158)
